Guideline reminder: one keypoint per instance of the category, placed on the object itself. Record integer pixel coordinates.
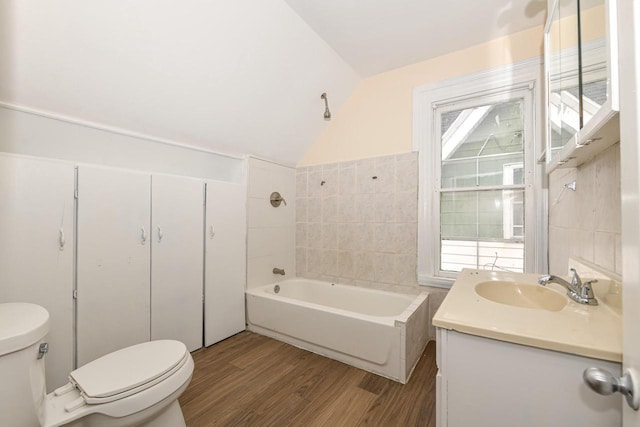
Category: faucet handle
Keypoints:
(575, 280)
(587, 289)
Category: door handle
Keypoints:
(61, 239)
(143, 236)
(603, 382)
(159, 234)
(212, 231)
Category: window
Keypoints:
(478, 145)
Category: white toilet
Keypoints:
(135, 386)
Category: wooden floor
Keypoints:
(251, 380)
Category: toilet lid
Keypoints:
(128, 369)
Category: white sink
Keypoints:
(522, 295)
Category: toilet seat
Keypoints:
(124, 372)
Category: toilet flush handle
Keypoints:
(42, 350)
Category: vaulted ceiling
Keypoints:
(237, 76)
(379, 35)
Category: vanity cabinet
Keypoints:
(486, 382)
(581, 74)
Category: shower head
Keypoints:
(327, 113)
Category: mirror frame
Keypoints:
(603, 130)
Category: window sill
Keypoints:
(434, 281)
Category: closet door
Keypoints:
(113, 268)
(36, 248)
(177, 254)
(225, 260)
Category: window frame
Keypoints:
(512, 81)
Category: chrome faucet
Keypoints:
(278, 271)
(581, 293)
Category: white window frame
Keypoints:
(524, 77)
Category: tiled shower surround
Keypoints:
(356, 222)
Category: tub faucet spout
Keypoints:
(279, 271)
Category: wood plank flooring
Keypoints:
(252, 380)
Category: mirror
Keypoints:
(593, 42)
(563, 75)
(582, 80)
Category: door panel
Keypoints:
(177, 259)
(113, 269)
(36, 212)
(225, 260)
(629, 38)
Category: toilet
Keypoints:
(134, 386)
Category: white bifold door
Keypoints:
(225, 260)
(36, 249)
(113, 266)
(177, 252)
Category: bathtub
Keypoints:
(381, 332)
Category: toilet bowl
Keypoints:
(134, 386)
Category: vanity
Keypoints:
(511, 352)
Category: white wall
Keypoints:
(271, 231)
(35, 135)
(243, 76)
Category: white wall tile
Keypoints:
(586, 223)
(347, 180)
(330, 179)
(301, 210)
(361, 230)
(271, 235)
(314, 187)
(345, 264)
(314, 235)
(365, 171)
(329, 235)
(314, 209)
(301, 234)
(330, 262)
(301, 185)
(330, 209)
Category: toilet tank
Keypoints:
(23, 328)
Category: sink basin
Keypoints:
(522, 295)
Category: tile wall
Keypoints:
(356, 222)
(586, 223)
(270, 231)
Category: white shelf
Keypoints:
(599, 134)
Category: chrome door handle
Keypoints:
(212, 232)
(160, 234)
(603, 382)
(143, 236)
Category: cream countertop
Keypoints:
(592, 331)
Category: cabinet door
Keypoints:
(36, 250)
(177, 212)
(113, 267)
(225, 260)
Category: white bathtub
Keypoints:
(381, 332)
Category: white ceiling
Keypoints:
(242, 76)
(379, 35)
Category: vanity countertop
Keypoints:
(591, 331)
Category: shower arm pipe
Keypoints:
(327, 113)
